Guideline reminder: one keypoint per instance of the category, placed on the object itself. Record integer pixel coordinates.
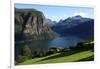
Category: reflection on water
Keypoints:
(64, 41)
(43, 45)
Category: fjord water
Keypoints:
(64, 41)
(44, 45)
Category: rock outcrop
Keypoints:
(31, 24)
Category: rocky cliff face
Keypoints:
(31, 24)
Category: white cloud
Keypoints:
(56, 18)
(81, 14)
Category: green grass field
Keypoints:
(62, 57)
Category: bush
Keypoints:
(38, 54)
(34, 54)
(83, 46)
(25, 54)
(50, 52)
(26, 51)
(80, 44)
(72, 47)
(41, 54)
(21, 59)
(66, 50)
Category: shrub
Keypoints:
(25, 54)
(34, 54)
(66, 50)
(21, 59)
(41, 54)
(50, 52)
(80, 44)
(26, 51)
(72, 47)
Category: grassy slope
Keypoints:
(62, 58)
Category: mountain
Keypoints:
(31, 24)
(60, 21)
(77, 26)
(72, 21)
(50, 22)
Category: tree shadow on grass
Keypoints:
(62, 54)
(91, 58)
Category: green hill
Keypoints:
(59, 58)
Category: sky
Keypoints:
(55, 13)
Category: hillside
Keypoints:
(75, 26)
(31, 24)
(60, 58)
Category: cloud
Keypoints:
(81, 14)
(56, 18)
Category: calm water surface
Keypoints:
(44, 45)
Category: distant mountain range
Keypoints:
(77, 26)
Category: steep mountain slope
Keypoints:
(72, 21)
(77, 26)
(31, 24)
(50, 22)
